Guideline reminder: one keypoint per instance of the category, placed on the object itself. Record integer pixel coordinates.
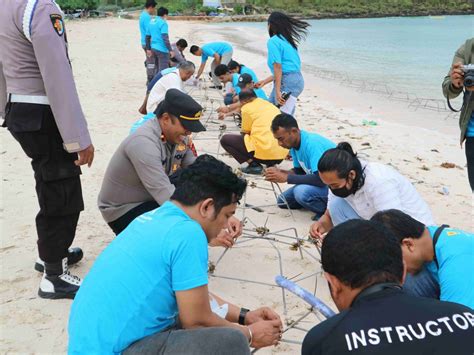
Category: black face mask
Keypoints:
(343, 192)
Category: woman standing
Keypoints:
(283, 58)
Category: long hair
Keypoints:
(292, 29)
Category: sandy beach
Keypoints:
(108, 66)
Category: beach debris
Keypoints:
(211, 267)
(297, 245)
(262, 230)
(435, 150)
(340, 127)
(418, 158)
(366, 144)
(424, 167)
(369, 123)
(447, 165)
(444, 191)
(253, 184)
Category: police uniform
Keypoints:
(383, 319)
(44, 115)
(138, 176)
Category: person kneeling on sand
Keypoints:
(359, 189)
(362, 262)
(306, 148)
(256, 144)
(446, 253)
(148, 290)
(172, 78)
(137, 179)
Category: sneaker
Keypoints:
(57, 282)
(74, 255)
(253, 168)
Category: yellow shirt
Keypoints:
(257, 117)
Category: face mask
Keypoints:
(342, 192)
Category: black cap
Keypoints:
(184, 107)
(244, 79)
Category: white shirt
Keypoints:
(171, 80)
(384, 189)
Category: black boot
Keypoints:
(57, 282)
(74, 255)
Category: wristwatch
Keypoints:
(243, 313)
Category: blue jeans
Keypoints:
(290, 82)
(309, 197)
(341, 211)
(422, 284)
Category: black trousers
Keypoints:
(234, 144)
(122, 222)
(470, 160)
(58, 184)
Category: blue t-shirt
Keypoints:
(141, 121)
(156, 29)
(130, 291)
(470, 126)
(455, 255)
(247, 70)
(259, 92)
(312, 147)
(208, 50)
(144, 21)
(282, 52)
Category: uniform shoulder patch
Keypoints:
(58, 23)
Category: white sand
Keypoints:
(108, 65)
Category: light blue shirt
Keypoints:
(141, 121)
(156, 29)
(470, 127)
(144, 21)
(130, 291)
(208, 50)
(312, 147)
(259, 92)
(455, 254)
(282, 52)
(247, 70)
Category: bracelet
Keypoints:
(251, 335)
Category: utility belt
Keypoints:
(29, 99)
(26, 116)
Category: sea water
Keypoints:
(408, 54)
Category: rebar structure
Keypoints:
(259, 230)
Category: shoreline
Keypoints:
(323, 16)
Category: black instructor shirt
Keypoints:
(385, 320)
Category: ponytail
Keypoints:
(342, 160)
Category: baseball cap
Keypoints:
(184, 107)
(244, 79)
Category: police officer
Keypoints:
(44, 115)
(137, 177)
(362, 262)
